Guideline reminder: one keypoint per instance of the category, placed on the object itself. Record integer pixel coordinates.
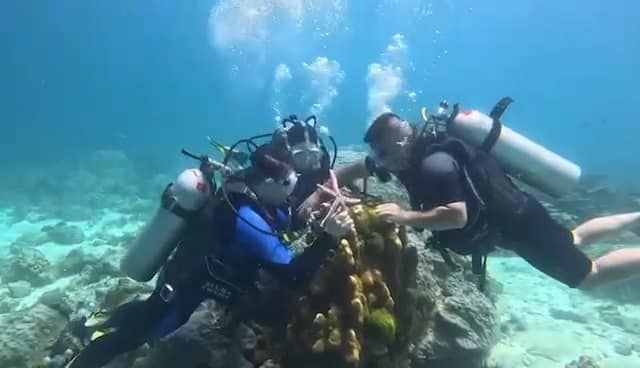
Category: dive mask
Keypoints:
(306, 156)
(288, 183)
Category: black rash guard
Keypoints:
(438, 181)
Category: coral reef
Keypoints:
(63, 233)
(355, 312)
(583, 362)
(27, 264)
(28, 334)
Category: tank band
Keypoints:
(170, 203)
(496, 127)
(492, 137)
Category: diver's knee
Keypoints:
(592, 279)
(578, 240)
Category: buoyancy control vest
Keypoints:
(490, 195)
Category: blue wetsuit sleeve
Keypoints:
(255, 243)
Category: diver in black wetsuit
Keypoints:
(223, 248)
(465, 198)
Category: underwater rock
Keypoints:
(89, 266)
(621, 347)
(456, 324)
(75, 261)
(30, 239)
(567, 315)
(462, 331)
(26, 335)
(59, 300)
(7, 303)
(512, 323)
(120, 291)
(583, 362)
(198, 343)
(63, 233)
(19, 289)
(27, 264)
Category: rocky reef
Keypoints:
(583, 362)
(381, 299)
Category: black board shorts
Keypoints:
(546, 244)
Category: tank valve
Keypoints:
(442, 108)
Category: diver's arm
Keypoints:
(274, 255)
(447, 217)
(346, 175)
(257, 238)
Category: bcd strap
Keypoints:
(454, 114)
(479, 267)
(446, 257)
(500, 107)
(496, 126)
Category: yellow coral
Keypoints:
(355, 285)
(350, 301)
(394, 239)
(352, 347)
(335, 339)
(367, 279)
(333, 315)
(358, 310)
(372, 299)
(318, 284)
(320, 320)
(390, 304)
(318, 346)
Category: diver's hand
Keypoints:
(392, 212)
(339, 225)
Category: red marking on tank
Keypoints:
(201, 186)
(467, 112)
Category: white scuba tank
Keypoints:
(522, 158)
(161, 234)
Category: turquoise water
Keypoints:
(152, 76)
(98, 97)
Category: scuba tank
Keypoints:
(521, 157)
(160, 236)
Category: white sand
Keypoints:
(548, 342)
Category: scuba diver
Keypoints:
(311, 159)
(457, 169)
(212, 246)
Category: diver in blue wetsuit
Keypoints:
(225, 245)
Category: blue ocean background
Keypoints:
(144, 77)
(99, 97)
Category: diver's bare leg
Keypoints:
(619, 265)
(601, 227)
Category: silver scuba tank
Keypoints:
(521, 157)
(161, 234)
